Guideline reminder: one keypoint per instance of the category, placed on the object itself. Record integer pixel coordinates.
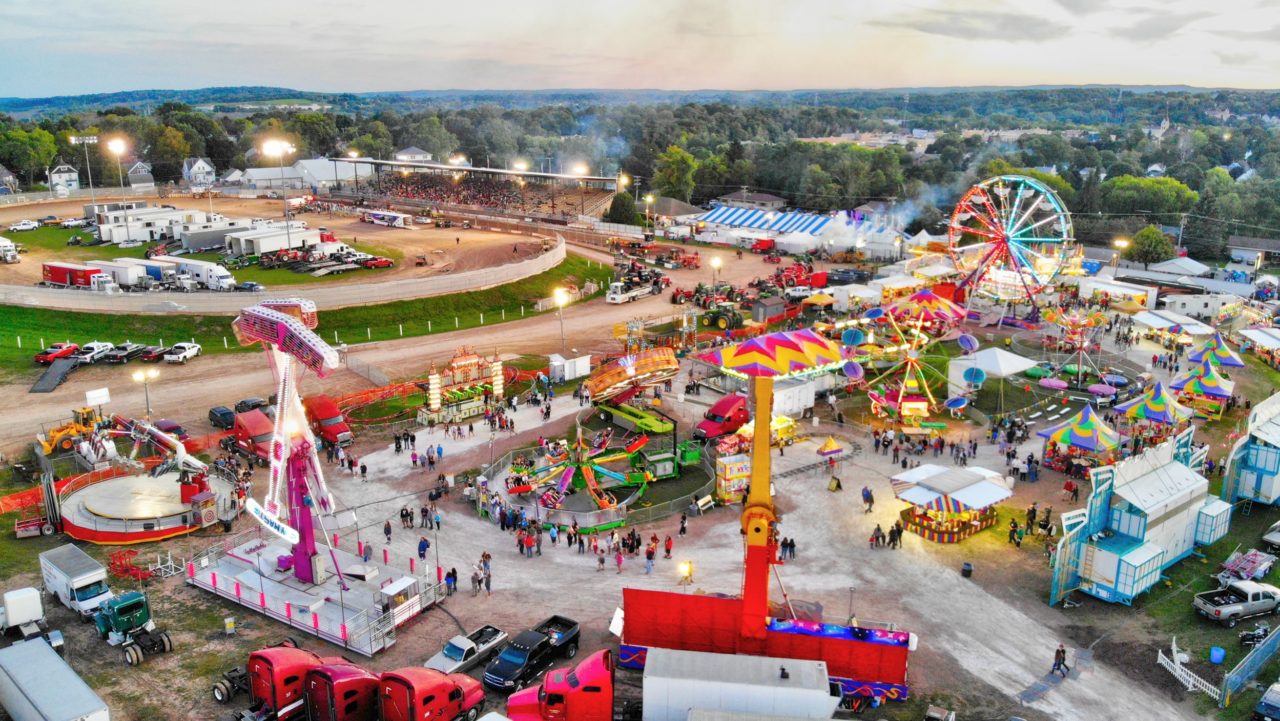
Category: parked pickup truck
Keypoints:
(532, 652)
(464, 652)
(182, 352)
(1238, 600)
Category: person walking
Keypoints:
(617, 559)
(426, 518)
(423, 545)
(668, 545)
(649, 552)
(684, 524)
(1060, 661)
(386, 530)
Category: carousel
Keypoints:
(1080, 444)
(948, 505)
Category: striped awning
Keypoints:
(762, 220)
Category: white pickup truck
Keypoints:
(182, 352)
(1237, 601)
(94, 351)
(465, 652)
(620, 293)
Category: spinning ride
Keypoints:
(1009, 237)
(583, 467)
(909, 394)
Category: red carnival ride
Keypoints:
(863, 661)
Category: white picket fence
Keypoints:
(1185, 676)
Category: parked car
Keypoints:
(56, 351)
(462, 653)
(250, 286)
(245, 405)
(182, 352)
(124, 353)
(155, 353)
(1239, 600)
(23, 225)
(172, 428)
(74, 222)
(222, 417)
(94, 352)
(1268, 707)
(1272, 537)
(532, 652)
(378, 262)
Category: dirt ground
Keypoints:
(477, 249)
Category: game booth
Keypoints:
(1205, 390)
(1265, 343)
(1080, 444)
(1153, 417)
(948, 505)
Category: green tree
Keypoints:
(26, 151)
(430, 135)
(622, 210)
(1148, 246)
(1089, 199)
(1204, 235)
(1158, 196)
(673, 175)
(317, 130)
(167, 150)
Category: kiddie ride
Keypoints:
(862, 661)
(285, 683)
(580, 468)
(617, 382)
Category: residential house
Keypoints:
(64, 179)
(1156, 170)
(235, 176)
(752, 201)
(1144, 514)
(8, 181)
(413, 154)
(140, 177)
(199, 171)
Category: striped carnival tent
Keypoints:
(794, 222)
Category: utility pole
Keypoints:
(1182, 226)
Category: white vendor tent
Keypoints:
(1167, 320)
(1181, 266)
(1000, 363)
(1264, 338)
(1140, 294)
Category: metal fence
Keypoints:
(1249, 667)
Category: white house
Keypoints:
(64, 178)
(265, 178)
(140, 177)
(413, 154)
(199, 171)
(235, 176)
(322, 173)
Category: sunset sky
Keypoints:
(58, 47)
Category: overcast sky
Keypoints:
(60, 47)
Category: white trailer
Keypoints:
(849, 296)
(124, 274)
(270, 240)
(793, 398)
(37, 685)
(159, 270)
(207, 274)
(677, 682)
(78, 581)
(22, 609)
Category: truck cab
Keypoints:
(276, 681)
(327, 422)
(584, 693)
(341, 692)
(251, 436)
(1268, 708)
(764, 245)
(423, 694)
(726, 416)
(77, 580)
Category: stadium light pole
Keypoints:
(561, 297)
(278, 149)
(145, 377)
(521, 167)
(715, 270)
(86, 141)
(580, 170)
(353, 154)
(648, 208)
(1120, 244)
(117, 148)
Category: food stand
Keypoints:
(1079, 444)
(1153, 417)
(733, 475)
(948, 505)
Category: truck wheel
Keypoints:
(222, 692)
(571, 650)
(606, 416)
(473, 713)
(1232, 622)
(166, 644)
(133, 655)
(46, 529)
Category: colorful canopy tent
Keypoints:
(819, 299)
(1218, 353)
(830, 448)
(1156, 405)
(777, 355)
(926, 306)
(1085, 431)
(1205, 390)
(942, 492)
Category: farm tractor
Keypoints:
(723, 316)
(125, 621)
(63, 438)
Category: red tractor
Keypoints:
(680, 296)
(773, 258)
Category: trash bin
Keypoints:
(1217, 655)
(226, 525)
(966, 569)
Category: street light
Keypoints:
(278, 149)
(561, 297)
(86, 141)
(715, 270)
(145, 377)
(1119, 244)
(520, 165)
(117, 148)
(581, 169)
(648, 208)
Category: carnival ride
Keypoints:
(625, 378)
(905, 372)
(582, 467)
(861, 661)
(1010, 236)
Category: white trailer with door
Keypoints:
(209, 275)
(124, 274)
(36, 684)
(678, 682)
(78, 581)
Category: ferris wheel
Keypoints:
(1009, 236)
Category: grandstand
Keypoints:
(546, 194)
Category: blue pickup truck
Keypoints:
(1268, 709)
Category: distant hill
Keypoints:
(411, 99)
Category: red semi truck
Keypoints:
(726, 416)
(420, 694)
(251, 436)
(70, 275)
(584, 693)
(327, 422)
(341, 692)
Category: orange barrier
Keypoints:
(34, 496)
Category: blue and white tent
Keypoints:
(778, 223)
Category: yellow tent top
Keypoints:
(819, 299)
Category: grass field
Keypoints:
(351, 325)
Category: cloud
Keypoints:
(1268, 35)
(1083, 7)
(980, 25)
(1157, 25)
(1241, 58)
